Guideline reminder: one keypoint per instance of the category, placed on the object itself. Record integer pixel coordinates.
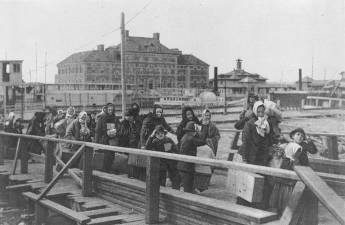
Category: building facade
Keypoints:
(149, 65)
(11, 72)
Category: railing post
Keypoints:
(331, 143)
(16, 157)
(310, 214)
(152, 190)
(24, 158)
(49, 162)
(87, 171)
(2, 149)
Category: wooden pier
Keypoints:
(114, 199)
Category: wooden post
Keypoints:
(49, 162)
(310, 209)
(2, 149)
(152, 191)
(235, 141)
(16, 157)
(41, 214)
(24, 156)
(331, 143)
(302, 104)
(87, 172)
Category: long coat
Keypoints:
(254, 148)
(101, 135)
(189, 144)
(165, 145)
(73, 133)
(129, 134)
(211, 135)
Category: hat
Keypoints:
(190, 126)
(130, 112)
(300, 130)
(160, 128)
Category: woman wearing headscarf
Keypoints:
(210, 134)
(187, 116)
(10, 128)
(152, 120)
(36, 127)
(256, 140)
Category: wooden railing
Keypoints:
(316, 188)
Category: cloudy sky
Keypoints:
(273, 37)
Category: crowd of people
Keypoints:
(141, 131)
(262, 142)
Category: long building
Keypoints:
(149, 65)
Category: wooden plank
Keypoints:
(56, 178)
(152, 190)
(93, 205)
(310, 209)
(115, 219)
(87, 172)
(14, 167)
(248, 186)
(49, 162)
(334, 204)
(111, 211)
(327, 165)
(24, 159)
(41, 214)
(64, 211)
(69, 171)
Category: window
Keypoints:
(16, 68)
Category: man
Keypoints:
(107, 126)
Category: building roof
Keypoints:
(190, 60)
(248, 80)
(238, 75)
(87, 56)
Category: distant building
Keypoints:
(11, 72)
(336, 88)
(149, 65)
(238, 82)
(309, 84)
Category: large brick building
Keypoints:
(149, 65)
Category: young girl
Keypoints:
(295, 153)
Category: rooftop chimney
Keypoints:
(239, 64)
(100, 47)
(156, 36)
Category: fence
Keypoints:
(309, 189)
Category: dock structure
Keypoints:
(114, 199)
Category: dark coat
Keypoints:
(36, 127)
(149, 124)
(101, 136)
(239, 125)
(211, 135)
(254, 148)
(189, 144)
(129, 134)
(179, 131)
(73, 133)
(155, 144)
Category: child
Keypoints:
(295, 153)
(158, 141)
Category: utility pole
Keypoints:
(123, 41)
(36, 61)
(225, 104)
(45, 80)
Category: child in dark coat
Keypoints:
(159, 142)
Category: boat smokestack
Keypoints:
(215, 80)
(300, 79)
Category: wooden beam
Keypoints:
(14, 167)
(64, 169)
(24, 157)
(332, 147)
(87, 188)
(152, 191)
(334, 204)
(49, 162)
(69, 171)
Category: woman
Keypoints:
(187, 115)
(150, 122)
(36, 127)
(256, 140)
(295, 153)
(210, 134)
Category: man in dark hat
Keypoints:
(189, 143)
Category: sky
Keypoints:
(273, 37)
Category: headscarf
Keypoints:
(206, 121)
(262, 125)
(136, 108)
(291, 149)
(155, 107)
(68, 113)
(81, 115)
(11, 116)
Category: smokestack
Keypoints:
(100, 47)
(215, 80)
(300, 79)
(239, 64)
